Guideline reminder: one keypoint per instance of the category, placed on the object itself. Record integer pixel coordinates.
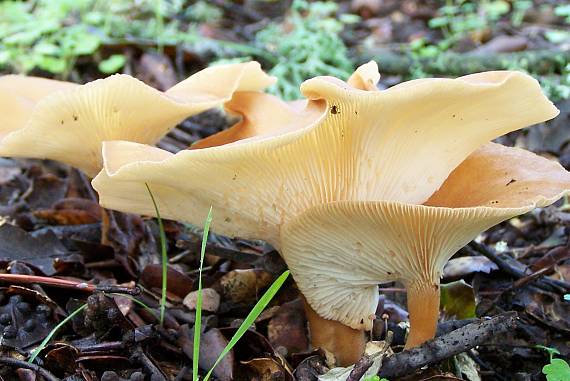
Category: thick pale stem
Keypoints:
(423, 306)
(347, 344)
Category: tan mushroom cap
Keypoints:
(265, 115)
(381, 241)
(18, 96)
(262, 116)
(69, 125)
(398, 145)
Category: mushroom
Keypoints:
(67, 122)
(360, 187)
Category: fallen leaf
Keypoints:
(210, 300)
(459, 267)
(40, 252)
(458, 300)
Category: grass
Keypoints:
(163, 255)
(53, 332)
(198, 322)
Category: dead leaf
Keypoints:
(266, 369)
(459, 267)
(177, 283)
(71, 211)
(287, 328)
(40, 252)
(210, 300)
(458, 300)
(242, 286)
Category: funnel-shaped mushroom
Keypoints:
(67, 122)
(341, 194)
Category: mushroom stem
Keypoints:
(347, 344)
(423, 307)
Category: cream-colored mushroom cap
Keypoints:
(399, 145)
(59, 121)
(340, 195)
(381, 241)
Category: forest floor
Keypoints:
(57, 239)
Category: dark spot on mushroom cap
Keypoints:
(61, 121)
(75, 117)
(361, 321)
(335, 110)
(511, 181)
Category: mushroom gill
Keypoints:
(358, 164)
(68, 122)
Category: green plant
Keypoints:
(198, 323)
(375, 378)
(53, 332)
(52, 34)
(306, 44)
(563, 11)
(163, 255)
(557, 369)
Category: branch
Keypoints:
(458, 341)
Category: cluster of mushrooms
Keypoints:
(354, 186)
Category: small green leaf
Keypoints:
(112, 64)
(557, 370)
(52, 64)
(86, 44)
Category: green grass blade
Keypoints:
(255, 312)
(53, 331)
(163, 255)
(198, 323)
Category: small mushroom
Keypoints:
(67, 122)
(359, 187)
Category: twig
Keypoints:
(443, 347)
(69, 284)
(46, 374)
(547, 284)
